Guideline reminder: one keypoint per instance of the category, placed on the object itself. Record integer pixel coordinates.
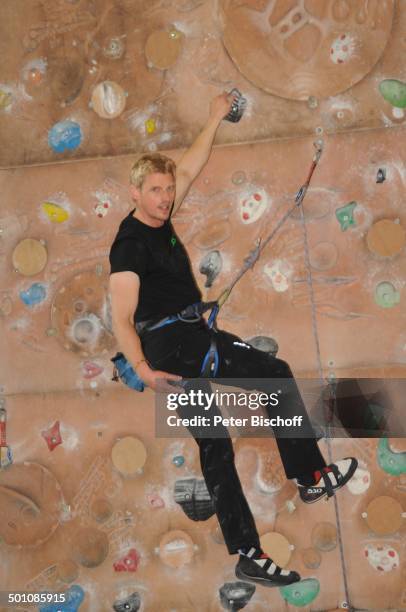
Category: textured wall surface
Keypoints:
(90, 78)
(87, 503)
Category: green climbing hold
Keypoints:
(345, 215)
(394, 92)
(301, 593)
(386, 295)
(389, 461)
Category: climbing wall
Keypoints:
(92, 504)
(92, 78)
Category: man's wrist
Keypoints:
(141, 367)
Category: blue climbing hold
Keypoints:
(74, 597)
(178, 460)
(34, 295)
(64, 135)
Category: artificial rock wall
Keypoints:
(88, 504)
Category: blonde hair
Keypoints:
(149, 163)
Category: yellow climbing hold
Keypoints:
(55, 213)
(5, 98)
(150, 126)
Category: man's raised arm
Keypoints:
(196, 157)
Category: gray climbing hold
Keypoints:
(265, 344)
(235, 595)
(210, 266)
(194, 498)
(130, 604)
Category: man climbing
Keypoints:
(151, 287)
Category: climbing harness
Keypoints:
(194, 312)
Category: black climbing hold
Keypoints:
(265, 344)
(235, 595)
(210, 266)
(130, 604)
(381, 175)
(237, 108)
(194, 498)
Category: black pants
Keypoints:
(179, 348)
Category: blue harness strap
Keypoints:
(123, 370)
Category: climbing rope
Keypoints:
(253, 256)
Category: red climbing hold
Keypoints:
(129, 563)
(52, 436)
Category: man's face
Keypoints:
(155, 198)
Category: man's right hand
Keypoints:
(157, 379)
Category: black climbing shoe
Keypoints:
(333, 477)
(264, 571)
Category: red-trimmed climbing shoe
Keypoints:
(332, 478)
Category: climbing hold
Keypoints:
(386, 238)
(279, 272)
(342, 49)
(128, 455)
(91, 369)
(65, 135)
(155, 500)
(6, 98)
(360, 481)
(91, 546)
(194, 498)
(74, 597)
(54, 212)
(128, 563)
(345, 215)
(301, 593)
(311, 558)
(235, 595)
(29, 257)
(238, 177)
(384, 515)
(393, 463)
(67, 570)
(101, 510)
(252, 205)
(179, 460)
(381, 175)
(162, 48)
(176, 549)
(150, 126)
(276, 545)
(394, 92)
(237, 108)
(265, 344)
(386, 295)
(52, 436)
(129, 604)
(323, 256)
(34, 295)
(210, 266)
(114, 48)
(324, 536)
(6, 457)
(108, 100)
(383, 558)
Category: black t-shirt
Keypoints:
(156, 254)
